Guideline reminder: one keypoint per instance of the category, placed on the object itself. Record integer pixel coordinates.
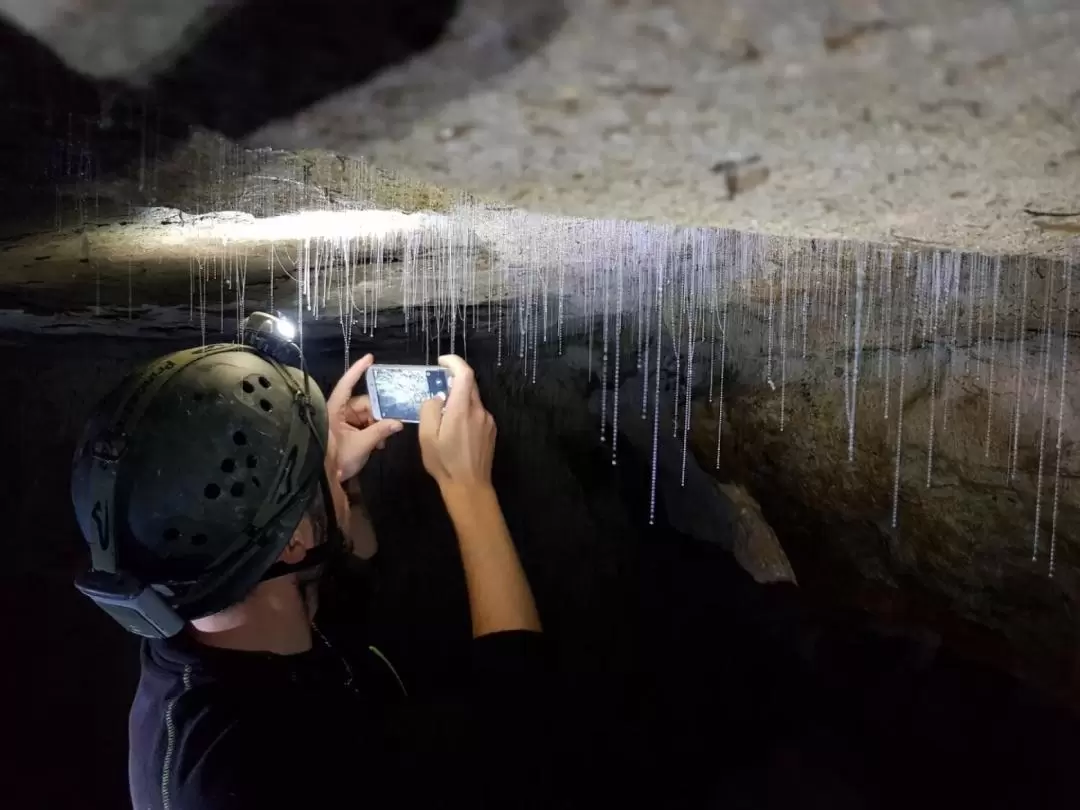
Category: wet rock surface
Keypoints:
(938, 504)
(904, 419)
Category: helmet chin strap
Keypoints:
(317, 556)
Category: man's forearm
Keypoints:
(499, 595)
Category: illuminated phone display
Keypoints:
(397, 392)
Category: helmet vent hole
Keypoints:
(255, 480)
(212, 491)
(239, 438)
(198, 540)
(265, 383)
(248, 387)
(236, 490)
(252, 462)
(171, 534)
(265, 405)
(228, 465)
(197, 396)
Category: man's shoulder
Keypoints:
(193, 736)
(225, 729)
(174, 691)
(214, 747)
(236, 751)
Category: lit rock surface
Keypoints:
(756, 546)
(888, 121)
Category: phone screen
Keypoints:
(401, 390)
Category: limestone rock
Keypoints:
(929, 121)
(117, 39)
(890, 120)
(757, 548)
(967, 503)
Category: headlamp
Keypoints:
(273, 336)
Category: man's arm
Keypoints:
(354, 436)
(499, 595)
(458, 445)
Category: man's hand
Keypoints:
(354, 433)
(457, 442)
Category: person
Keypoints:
(225, 506)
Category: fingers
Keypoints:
(358, 411)
(339, 397)
(431, 416)
(357, 448)
(363, 444)
(455, 365)
(463, 390)
(379, 432)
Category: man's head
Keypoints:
(193, 475)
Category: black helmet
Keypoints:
(191, 478)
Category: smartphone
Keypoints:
(397, 392)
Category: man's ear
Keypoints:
(299, 543)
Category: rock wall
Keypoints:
(819, 332)
(904, 417)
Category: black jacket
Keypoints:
(331, 727)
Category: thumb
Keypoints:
(377, 433)
(431, 416)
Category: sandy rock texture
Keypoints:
(884, 120)
(936, 122)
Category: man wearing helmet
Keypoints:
(209, 487)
